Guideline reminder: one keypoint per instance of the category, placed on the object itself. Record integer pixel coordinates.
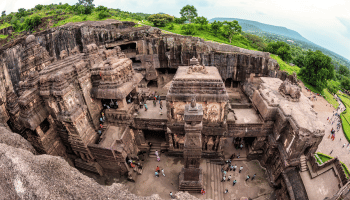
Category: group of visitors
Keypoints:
(231, 167)
(111, 104)
(158, 171)
(156, 98)
(102, 120)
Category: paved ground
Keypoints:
(320, 187)
(147, 184)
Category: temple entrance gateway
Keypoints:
(154, 136)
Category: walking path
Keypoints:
(334, 148)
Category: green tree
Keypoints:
(281, 49)
(189, 29)
(216, 27)
(345, 83)
(101, 8)
(160, 20)
(180, 20)
(88, 6)
(299, 60)
(231, 28)
(38, 7)
(188, 12)
(31, 22)
(3, 13)
(318, 68)
(343, 70)
(201, 20)
(21, 13)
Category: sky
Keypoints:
(324, 22)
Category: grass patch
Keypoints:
(4, 25)
(325, 158)
(3, 36)
(330, 98)
(205, 33)
(345, 116)
(284, 66)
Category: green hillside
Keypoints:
(278, 33)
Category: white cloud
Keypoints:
(322, 22)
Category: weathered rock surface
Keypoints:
(24, 175)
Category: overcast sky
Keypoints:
(324, 22)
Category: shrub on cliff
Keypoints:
(31, 22)
(103, 14)
(189, 29)
(160, 20)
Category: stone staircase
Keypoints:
(214, 187)
(155, 146)
(303, 165)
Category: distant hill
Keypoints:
(283, 34)
(253, 26)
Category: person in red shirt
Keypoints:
(157, 169)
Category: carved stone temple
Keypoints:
(79, 92)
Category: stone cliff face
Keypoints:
(148, 49)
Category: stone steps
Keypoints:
(155, 146)
(303, 165)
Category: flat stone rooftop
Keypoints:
(301, 112)
(111, 134)
(245, 116)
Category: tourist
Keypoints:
(146, 108)
(158, 158)
(158, 98)
(225, 172)
(156, 153)
(160, 111)
(253, 177)
(101, 126)
(240, 169)
(231, 167)
(171, 195)
(161, 104)
(226, 191)
(241, 146)
(141, 105)
(154, 103)
(233, 156)
(247, 178)
(202, 191)
(330, 152)
(223, 179)
(156, 173)
(238, 155)
(234, 183)
(157, 169)
(163, 172)
(99, 132)
(344, 145)
(229, 178)
(234, 168)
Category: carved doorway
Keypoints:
(154, 136)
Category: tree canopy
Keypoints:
(318, 68)
(188, 12)
(160, 20)
(281, 49)
(231, 28)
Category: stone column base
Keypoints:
(191, 179)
